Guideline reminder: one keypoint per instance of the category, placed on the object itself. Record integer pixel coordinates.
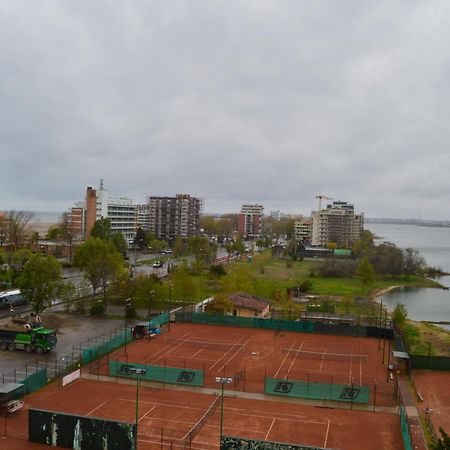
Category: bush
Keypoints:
(97, 309)
(334, 268)
(305, 286)
(80, 307)
(217, 270)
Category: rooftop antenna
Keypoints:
(101, 184)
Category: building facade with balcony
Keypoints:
(250, 221)
(337, 224)
(172, 217)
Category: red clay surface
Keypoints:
(262, 356)
(434, 387)
(166, 416)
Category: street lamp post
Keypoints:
(222, 381)
(138, 372)
(169, 301)
(127, 304)
(152, 296)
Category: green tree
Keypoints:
(412, 261)
(100, 262)
(140, 240)
(39, 281)
(53, 233)
(184, 286)
(178, 248)
(239, 245)
(387, 259)
(102, 229)
(365, 272)
(364, 245)
(399, 315)
(220, 305)
(442, 443)
(120, 243)
(67, 293)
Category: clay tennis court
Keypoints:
(166, 416)
(249, 355)
(433, 386)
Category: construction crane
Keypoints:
(320, 197)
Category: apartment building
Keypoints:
(171, 217)
(99, 205)
(338, 224)
(250, 221)
(303, 231)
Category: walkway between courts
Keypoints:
(413, 415)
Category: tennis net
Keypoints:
(187, 439)
(204, 344)
(324, 355)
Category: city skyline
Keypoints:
(261, 102)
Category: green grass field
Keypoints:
(265, 277)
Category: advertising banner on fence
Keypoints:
(71, 377)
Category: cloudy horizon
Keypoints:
(261, 101)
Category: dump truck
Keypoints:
(24, 337)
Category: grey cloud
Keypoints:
(232, 101)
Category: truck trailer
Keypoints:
(23, 337)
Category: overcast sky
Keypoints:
(234, 101)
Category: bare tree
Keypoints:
(19, 227)
(68, 232)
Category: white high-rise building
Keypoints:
(120, 211)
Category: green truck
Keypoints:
(23, 337)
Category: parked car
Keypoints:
(157, 264)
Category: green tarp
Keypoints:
(317, 391)
(164, 374)
(253, 322)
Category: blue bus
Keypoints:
(11, 298)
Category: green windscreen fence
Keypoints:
(34, 381)
(405, 429)
(430, 362)
(102, 349)
(317, 391)
(160, 320)
(164, 374)
(253, 322)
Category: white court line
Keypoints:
(235, 353)
(95, 409)
(294, 359)
(149, 411)
(229, 350)
(323, 359)
(282, 362)
(172, 348)
(270, 429)
(326, 436)
(164, 349)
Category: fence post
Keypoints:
(374, 396)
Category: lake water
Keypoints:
(433, 243)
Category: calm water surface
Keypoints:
(433, 244)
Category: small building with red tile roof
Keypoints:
(246, 305)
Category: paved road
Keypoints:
(72, 331)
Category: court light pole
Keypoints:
(169, 301)
(152, 296)
(127, 304)
(138, 372)
(222, 381)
